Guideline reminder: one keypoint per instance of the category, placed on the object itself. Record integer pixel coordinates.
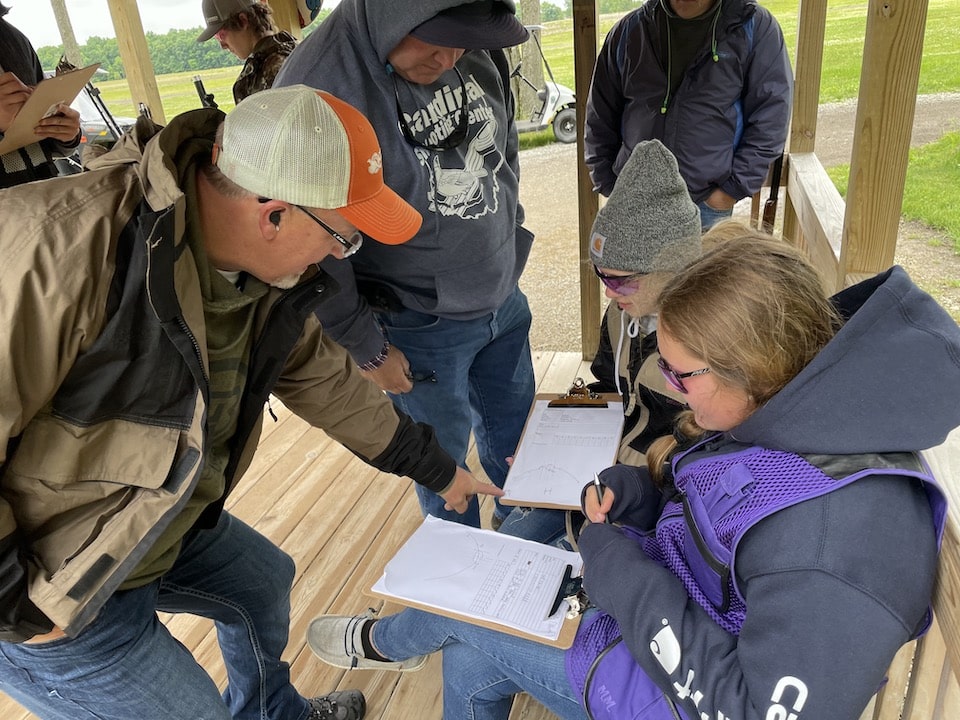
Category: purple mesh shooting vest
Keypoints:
(721, 497)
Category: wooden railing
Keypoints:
(924, 678)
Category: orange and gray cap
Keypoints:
(307, 147)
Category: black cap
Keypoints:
(478, 25)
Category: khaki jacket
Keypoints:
(103, 380)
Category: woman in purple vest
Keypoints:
(783, 544)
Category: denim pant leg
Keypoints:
(241, 580)
(483, 380)
(484, 667)
(124, 665)
(538, 524)
(501, 389)
(710, 216)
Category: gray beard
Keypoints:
(286, 282)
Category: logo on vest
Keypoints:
(666, 649)
(788, 690)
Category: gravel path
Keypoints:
(548, 191)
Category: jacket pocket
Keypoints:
(67, 484)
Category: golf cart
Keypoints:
(557, 103)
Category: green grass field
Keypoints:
(924, 198)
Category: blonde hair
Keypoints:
(753, 308)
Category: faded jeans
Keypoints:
(468, 375)
(482, 669)
(126, 665)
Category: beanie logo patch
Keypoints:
(596, 244)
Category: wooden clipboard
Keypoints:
(62, 88)
(567, 633)
(517, 495)
(568, 628)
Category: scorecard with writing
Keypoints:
(561, 449)
(481, 576)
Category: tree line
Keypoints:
(178, 50)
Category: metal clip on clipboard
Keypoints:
(579, 395)
(571, 590)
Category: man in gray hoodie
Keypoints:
(439, 322)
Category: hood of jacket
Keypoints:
(157, 161)
(889, 381)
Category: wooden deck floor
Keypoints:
(341, 521)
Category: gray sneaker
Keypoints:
(339, 705)
(335, 639)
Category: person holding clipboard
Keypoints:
(783, 544)
(646, 232)
(57, 134)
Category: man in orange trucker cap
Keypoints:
(148, 308)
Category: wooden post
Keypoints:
(285, 16)
(584, 58)
(881, 142)
(136, 59)
(811, 21)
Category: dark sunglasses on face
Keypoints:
(675, 379)
(620, 284)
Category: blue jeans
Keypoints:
(710, 216)
(468, 374)
(126, 664)
(538, 524)
(482, 669)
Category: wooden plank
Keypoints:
(137, 64)
(588, 202)
(819, 210)
(948, 706)
(881, 140)
(927, 673)
(811, 26)
(891, 696)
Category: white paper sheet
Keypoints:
(560, 451)
(481, 574)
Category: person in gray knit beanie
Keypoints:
(648, 230)
(649, 224)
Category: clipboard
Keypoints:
(469, 572)
(62, 88)
(566, 439)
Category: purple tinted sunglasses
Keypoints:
(675, 379)
(620, 284)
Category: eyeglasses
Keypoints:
(620, 284)
(350, 245)
(454, 138)
(675, 379)
(430, 377)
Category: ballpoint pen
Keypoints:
(599, 488)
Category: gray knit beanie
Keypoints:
(649, 223)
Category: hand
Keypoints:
(54, 634)
(595, 510)
(462, 490)
(13, 94)
(719, 200)
(394, 375)
(63, 124)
